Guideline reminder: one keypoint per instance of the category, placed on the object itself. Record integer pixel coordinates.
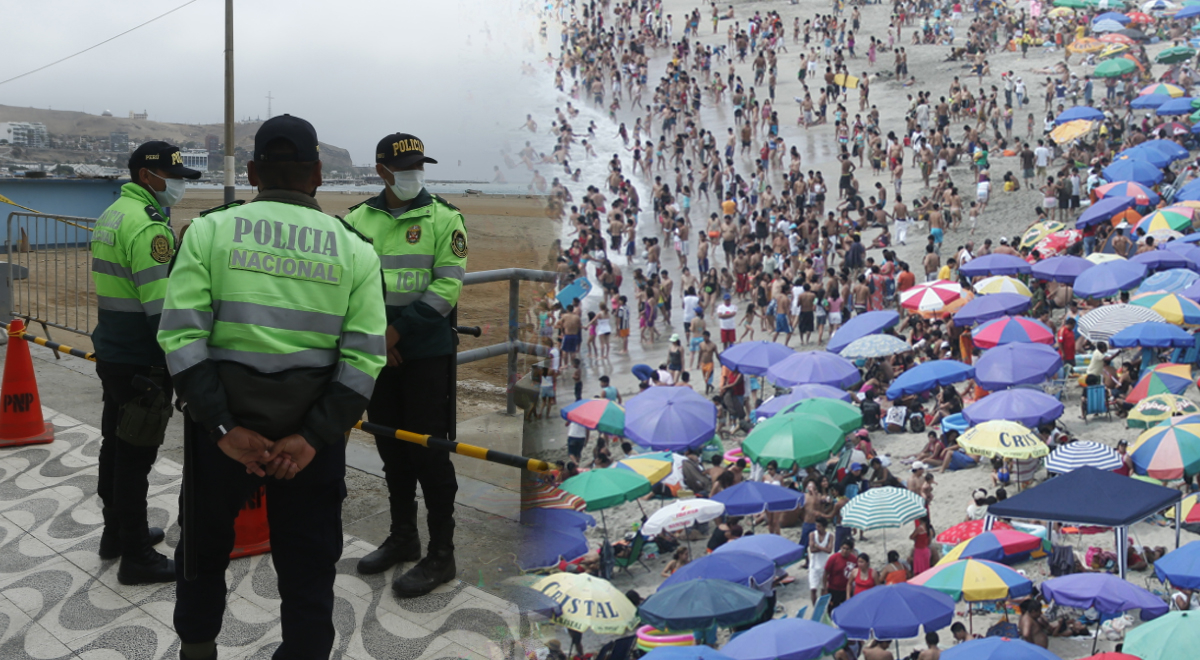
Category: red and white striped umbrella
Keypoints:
(930, 296)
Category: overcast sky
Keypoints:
(357, 69)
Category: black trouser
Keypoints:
(124, 467)
(415, 397)
(305, 518)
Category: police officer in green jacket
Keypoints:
(422, 245)
(273, 329)
(132, 246)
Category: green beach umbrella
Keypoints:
(606, 488)
(883, 508)
(846, 416)
(793, 438)
(1172, 635)
(1114, 68)
(1175, 54)
(1073, 4)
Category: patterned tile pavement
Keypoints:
(59, 600)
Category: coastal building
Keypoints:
(25, 134)
(197, 159)
(140, 116)
(119, 142)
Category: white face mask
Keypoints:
(408, 183)
(173, 193)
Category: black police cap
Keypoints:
(295, 130)
(159, 155)
(401, 150)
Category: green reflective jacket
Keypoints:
(132, 248)
(423, 254)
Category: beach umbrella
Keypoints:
(1172, 149)
(1152, 156)
(670, 418)
(1187, 12)
(1114, 68)
(1181, 567)
(588, 603)
(1172, 280)
(1028, 407)
(1003, 439)
(860, 326)
(1174, 91)
(1103, 211)
(1175, 54)
(557, 518)
(930, 296)
(1174, 308)
(754, 357)
(1072, 130)
(1059, 12)
(543, 547)
(775, 405)
(1108, 593)
(1192, 292)
(1130, 169)
(1164, 219)
(1152, 335)
(997, 648)
(1168, 451)
(1011, 330)
(1140, 18)
(995, 264)
(549, 496)
(1039, 230)
(1002, 284)
(951, 307)
(1141, 194)
(527, 600)
(884, 507)
(654, 466)
(894, 611)
(875, 346)
(927, 375)
(597, 414)
(784, 552)
(845, 416)
(1108, 279)
(1078, 112)
(1100, 27)
(681, 514)
(752, 497)
(1170, 128)
(786, 639)
(1158, 5)
(1005, 546)
(602, 489)
(1154, 409)
(1102, 323)
(992, 306)
(1057, 243)
(1074, 4)
(793, 438)
(702, 603)
(1166, 378)
(1134, 34)
(691, 652)
(968, 530)
(1016, 364)
(744, 568)
(1113, 16)
(820, 367)
(1064, 268)
(1147, 102)
(1179, 106)
(974, 580)
(1083, 453)
(1171, 636)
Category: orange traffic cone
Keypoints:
(252, 535)
(21, 421)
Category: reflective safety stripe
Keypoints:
(121, 304)
(187, 356)
(394, 261)
(153, 307)
(270, 363)
(354, 378)
(152, 274)
(281, 318)
(109, 268)
(437, 302)
(450, 272)
(185, 319)
(398, 299)
(361, 341)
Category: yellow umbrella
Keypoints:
(1039, 230)
(1002, 438)
(1071, 130)
(1189, 503)
(1002, 284)
(1061, 11)
(588, 603)
(1103, 257)
(655, 467)
(1154, 409)
(1086, 45)
(1112, 50)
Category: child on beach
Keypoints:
(1000, 474)
(748, 323)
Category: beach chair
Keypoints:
(1187, 355)
(800, 614)
(635, 554)
(820, 612)
(618, 649)
(1057, 388)
(1097, 402)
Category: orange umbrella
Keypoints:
(1114, 38)
(1128, 215)
(1135, 61)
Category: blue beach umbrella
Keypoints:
(1181, 567)
(1130, 169)
(1156, 260)
(1179, 106)
(686, 653)
(821, 367)
(786, 639)
(751, 497)
(1107, 279)
(860, 326)
(542, 547)
(754, 357)
(744, 568)
(927, 375)
(1149, 101)
(998, 648)
(1172, 280)
(1152, 335)
(875, 346)
(1030, 408)
(1113, 16)
(784, 552)
(1016, 364)
(1079, 112)
(990, 307)
(894, 611)
(1152, 156)
(1063, 268)
(1101, 211)
(557, 518)
(701, 603)
(670, 418)
(1172, 149)
(995, 264)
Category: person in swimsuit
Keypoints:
(863, 577)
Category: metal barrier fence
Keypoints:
(48, 274)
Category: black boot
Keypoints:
(435, 569)
(402, 545)
(110, 541)
(146, 567)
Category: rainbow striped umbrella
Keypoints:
(1154, 409)
(1166, 378)
(1176, 309)
(998, 545)
(1173, 91)
(1188, 508)
(597, 414)
(1142, 195)
(1012, 330)
(1169, 450)
(974, 580)
(1002, 284)
(1165, 219)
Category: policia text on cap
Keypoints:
(273, 328)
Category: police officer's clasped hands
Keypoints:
(282, 459)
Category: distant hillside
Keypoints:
(67, 122)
